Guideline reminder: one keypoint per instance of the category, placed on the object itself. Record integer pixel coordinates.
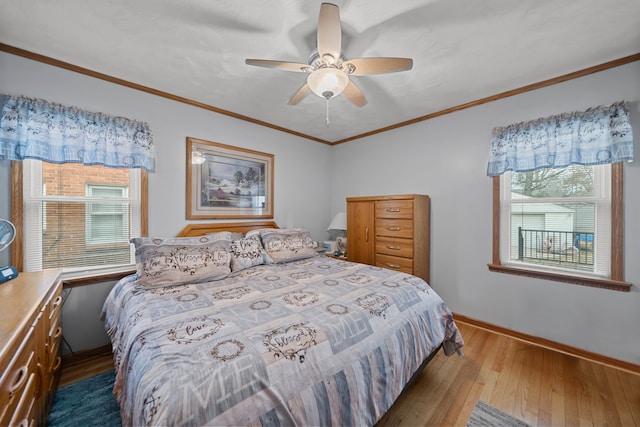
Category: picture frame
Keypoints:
(226, 182)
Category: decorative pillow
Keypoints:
(233, 235)
(246, 252)
(179, 260)
(284, 245)
(256, 232)
(236, 235)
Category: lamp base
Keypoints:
(330, 246)
(342, 244)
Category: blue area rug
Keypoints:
(89, 402)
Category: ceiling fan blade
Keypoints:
(329, 31)
(365, 66)
(300, 94)
(354, 94)
(282, 65)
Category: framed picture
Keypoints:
(228, 182)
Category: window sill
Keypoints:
(584, 281)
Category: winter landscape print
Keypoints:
(233, 183)
(228, 182)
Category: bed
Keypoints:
(280, 335)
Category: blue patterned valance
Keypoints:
(36, 129)
(596, 136)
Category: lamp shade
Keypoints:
(339, 222)
(328, 82)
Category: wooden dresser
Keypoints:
(390, 232)
(30, 336)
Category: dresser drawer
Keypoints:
(54, 305)
(394, 228)
(14, 380)
(395, 263)
(55, 371)
(53, 347)
(53, 310)
(24, 412)
(30, 341)
(394, 209)
(55, 333)
(396, 247)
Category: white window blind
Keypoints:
(107, 222)
(80, 218)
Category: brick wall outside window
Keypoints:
(64, 228)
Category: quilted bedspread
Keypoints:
(313, 342)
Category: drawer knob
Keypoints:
(390, 228)
(18, 380)
(393, 209)
(58, 363)
(57, 301)
(393, 265)
(57, 333)
(395, 248)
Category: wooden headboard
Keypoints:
(192, 230)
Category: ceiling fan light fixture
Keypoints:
(328, 82)
(328, 70)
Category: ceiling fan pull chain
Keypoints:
(327, 118)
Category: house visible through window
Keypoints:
(79, 218)
(557, 219)
(107, 222)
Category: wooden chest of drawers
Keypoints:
(390, 232)
(30, 336)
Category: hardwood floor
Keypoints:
(536, 385)
(89, 364)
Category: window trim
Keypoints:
(17, 215)
(616, 279)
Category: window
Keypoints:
(549, 219)
(558, 224)
(79, 218)
(69, 212)
(107, 222)
(557, 196)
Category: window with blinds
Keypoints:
(557, 219)
(80, 218)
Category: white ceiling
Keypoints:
(463, 50)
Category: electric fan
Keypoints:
(7, 234)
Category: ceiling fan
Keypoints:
(329, 72)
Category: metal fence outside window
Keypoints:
(555, 247)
